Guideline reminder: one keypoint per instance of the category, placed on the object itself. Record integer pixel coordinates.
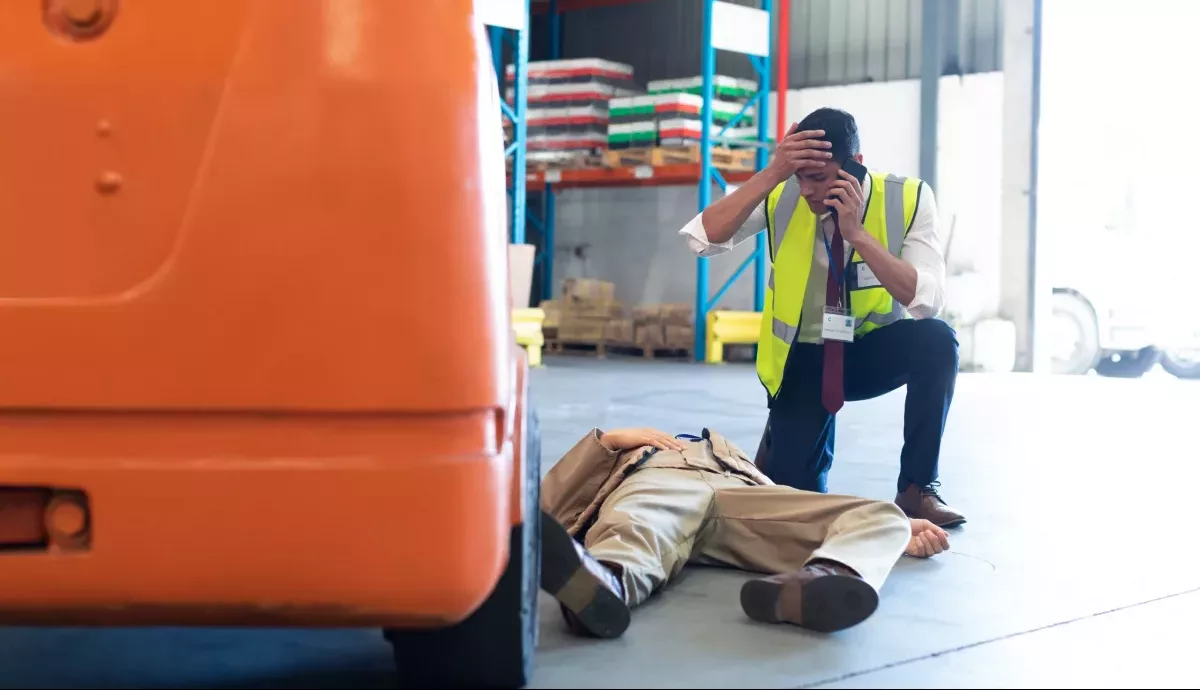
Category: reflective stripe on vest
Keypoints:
(897, 228)
(788, 201)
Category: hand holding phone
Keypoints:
(858, 170)
(845, 195)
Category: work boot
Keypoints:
(590, 593)
(823, 596)
(924, 503)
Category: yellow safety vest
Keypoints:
(791, 234)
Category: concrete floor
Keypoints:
(1079, 566)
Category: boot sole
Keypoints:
(566, 578)
(827, 604)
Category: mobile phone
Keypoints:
(858, 170)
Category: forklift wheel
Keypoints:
(494, 647)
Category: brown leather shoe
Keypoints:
(591, 595)
(924, 503)
(823, 597)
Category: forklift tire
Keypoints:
(494, 647)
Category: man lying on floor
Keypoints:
(644, 504)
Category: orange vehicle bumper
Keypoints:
(237, 519)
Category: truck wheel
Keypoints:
(1128, 365)
(1182, 364)
(494, 647)
(1076, 335)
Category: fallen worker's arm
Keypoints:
(581, 472)
(574, 482)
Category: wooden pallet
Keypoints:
(723, 158)
(602, 350)
(564, 163)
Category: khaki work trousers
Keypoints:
(660, 519)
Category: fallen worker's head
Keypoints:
(841, 131)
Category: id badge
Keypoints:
(866, 277)
(837, 325)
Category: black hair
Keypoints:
(841, 131)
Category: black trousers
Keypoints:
(920, 353)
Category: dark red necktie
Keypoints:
(833, 394)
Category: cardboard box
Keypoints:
(581, 329)
(607, 310)
(679, 337)
(650, 336)
(588, 290)
(619, 332)
(678, 313)
(553, 310)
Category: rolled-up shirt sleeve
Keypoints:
(923, 250)
(697, 236)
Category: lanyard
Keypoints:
(839, 273)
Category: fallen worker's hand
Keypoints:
(927, 540)
(624, 439)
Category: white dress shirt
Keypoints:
(922, 249)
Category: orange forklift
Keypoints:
(256, 359)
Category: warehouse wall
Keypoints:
(629, 235)
(833, 41)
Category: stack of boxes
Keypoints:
(567, 114)
(682, 125)
(589, 314)
(724, 88)
(664, 327)
(585, 311)
(578, 108)
(670, 119)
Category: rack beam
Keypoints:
(636, 176)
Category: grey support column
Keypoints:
(931, 71)
(1018, 200)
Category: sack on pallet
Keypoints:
(619, 331)
(581, 329)
(650, 336)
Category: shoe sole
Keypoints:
(827, 604)
(949, 524)
(566, 578)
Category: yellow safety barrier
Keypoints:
(527, 325)
(730, 328)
